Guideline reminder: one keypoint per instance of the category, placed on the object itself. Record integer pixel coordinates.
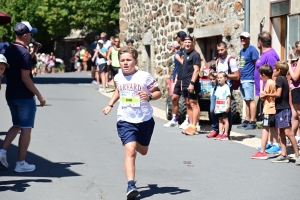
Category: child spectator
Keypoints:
(222, 106)
(269, 110)
(214, 118)
(3, 66)
(283, 112)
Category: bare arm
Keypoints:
(294, 75)
(95, 54)
(277, 94)
(115, 97)
(234, 76)
(108, 55)
(180, 60)
(155, 92)
(191, 87)
(30, 85)
(228, 104)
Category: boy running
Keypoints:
(269, 110)
(135, 123)
(283, 112)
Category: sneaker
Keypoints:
(268, 146)
(243, 125)
(297, 158)
(3, 160)
(224, 137)
(106, 84)
(198, 127)
(218, 137)
(260, 155)
(274, 149)
(94, 82)
(184, 125)
(171, 124)
(24, 168)
(251, 126)
(132, 191)
(212, 134)
(191, 131)
(281, 159)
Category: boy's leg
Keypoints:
(226, 125)
(220, 125)
(291, 136)
(264, 138)
(130, 155)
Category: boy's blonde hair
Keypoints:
(130, 50)
(283, 66)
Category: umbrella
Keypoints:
(4, 18)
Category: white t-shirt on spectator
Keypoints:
(222, 65)
(128, 86)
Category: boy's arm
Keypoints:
(155, 92)
(276, 94)
(112, 101)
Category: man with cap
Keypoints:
(3, 44)
(129, 42)
(3, 65)
(20, 92)
(177, 78)
(248, 57)
(99, 57)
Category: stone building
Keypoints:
(153, 23)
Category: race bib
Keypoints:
(129, 99)
(220, 105)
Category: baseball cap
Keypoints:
(3, 60)
(181, 35)
(188, 38)
(245, 34)
(175, 44)
(23, 28)
(129, 41)
(100, 41)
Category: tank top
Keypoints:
(294, 84)
(114, 58)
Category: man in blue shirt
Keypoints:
(248, 57)
(20, 92)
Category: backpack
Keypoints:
(235, 83)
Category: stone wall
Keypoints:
(155, 22)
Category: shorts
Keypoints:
(114, 70)
(22, 112)
(283, 118)
(268, 120)
(102, 68)
(177, 88)
(140, 132)
(187, 94)
(247, 90)
(224, 115)
(295, 95)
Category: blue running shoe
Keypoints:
(243, 125)
(132, 191)
(251, 126)
(274, 149)
(268, 146)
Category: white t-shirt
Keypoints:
(131, 108)
(222, 93)
(222, 66)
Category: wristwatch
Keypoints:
(192, 83)
(150, 97)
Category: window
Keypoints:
(279, 8)
(293, 30)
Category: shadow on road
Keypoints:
(241, 138)
(20, 185)
(44, 167)
(152, 189)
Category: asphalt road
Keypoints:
(78, 155)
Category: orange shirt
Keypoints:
(269, 103)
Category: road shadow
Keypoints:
(241, 138)
(20, 185)
(153, 189)
(44, 167)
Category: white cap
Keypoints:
(3, 60)
(175, 44)
(31, 45)
(245, 34)
(100, 41)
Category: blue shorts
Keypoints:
(140, 132)
(22, 112)
(247, 90)
(283, 118)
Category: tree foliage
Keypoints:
(56, 18)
